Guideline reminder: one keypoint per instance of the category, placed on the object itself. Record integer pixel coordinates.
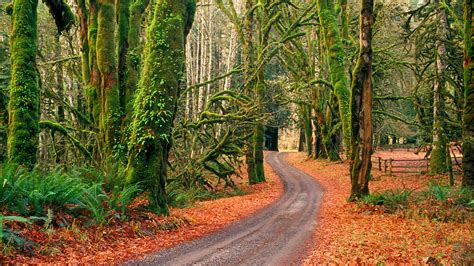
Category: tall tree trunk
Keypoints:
(137, 8)
(156, 98)
(258, 139)
(307, 129)
(24, 104)
(335, 57)
(123, 19)
(107, 65)
(362, 106)
(248, 58)
(438, 152)
(83, 20)
(468, 111)
(93, 88)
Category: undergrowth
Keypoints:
(78, 198)
(437, 202)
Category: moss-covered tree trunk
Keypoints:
(137, 8)
(362, 106)
(93, 88)
(248, 59)
(83, 24)
(336, 60)
(24, 103)
(344, 19)
(468, 111)
(156, 98)
(258, 139)
(438, 152)
(123, 19)
(107, 66)
(23, 108)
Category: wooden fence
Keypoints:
(392, 166)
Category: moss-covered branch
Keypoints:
(62, 14)
(56, 127)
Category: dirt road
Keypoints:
(277, 235)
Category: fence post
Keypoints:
(380, 164)
(385, 166)
(390, 161)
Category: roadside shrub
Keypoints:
(32, 193)
(445, 204)
(98, 194)
(438, 203)
(392, 200)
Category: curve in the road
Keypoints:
(276, 235)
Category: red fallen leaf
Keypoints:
(387, 238)
(119, 242)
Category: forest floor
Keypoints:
(277, 235)
(357, 233)
(145, 233)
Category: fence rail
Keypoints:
(391, 167)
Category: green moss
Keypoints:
(24, 102)
(156, 98)
(93, 88)
(109, 120)
(123, 14)
(336, 59)
(137, 8)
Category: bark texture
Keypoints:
(362, 106)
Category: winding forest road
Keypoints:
(276, 235)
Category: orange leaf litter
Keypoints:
(119, 243)
(345, 235)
